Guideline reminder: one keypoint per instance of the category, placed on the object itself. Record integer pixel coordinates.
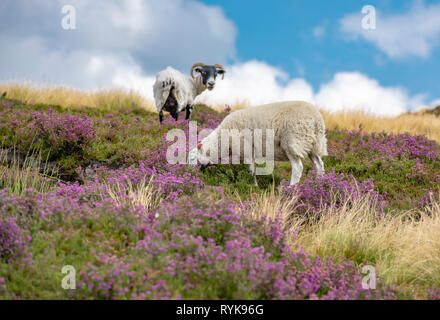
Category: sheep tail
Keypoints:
(167, 86)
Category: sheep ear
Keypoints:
(199, 146)
(222, 73)
(198, 69)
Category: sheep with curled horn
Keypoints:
(174, 91)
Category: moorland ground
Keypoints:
(84, 181)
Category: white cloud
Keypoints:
(144, 33)
(124, 43)
(355, 91)
(256, 83)
(413, 33)
(435, 103)
(132, 16)
(134, 79)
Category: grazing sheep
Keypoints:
(298, 131)
(174, 91)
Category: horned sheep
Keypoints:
(298, 131)
(174, 91)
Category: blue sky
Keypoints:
(275, 50)
(281, 33)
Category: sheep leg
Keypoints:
(160, 116)
(297, 168)
(189, 109)
(317, 162)
(175, 115)
(252, 170)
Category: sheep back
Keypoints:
(298, 126)
(173, 79)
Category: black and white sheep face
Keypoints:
(209, 75)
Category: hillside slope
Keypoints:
(90, 187)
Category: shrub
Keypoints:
(4, 293)
(319, 192)
(433, 293)
(62, 134)
(384, 146)
(12, 239)
(207, 250)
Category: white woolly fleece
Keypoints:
(185, 90)
(298, 127)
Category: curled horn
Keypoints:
(219, 66)
(195, 65)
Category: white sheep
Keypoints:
(174, 91)
(298, 131)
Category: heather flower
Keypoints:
(195, 246)
(214, 250)
(319, 192)
(12, 240)
(429, 200)
(194, 242)
(4, 294)
(61, 133)
(433, 293)
(109, 280)
(384, 146)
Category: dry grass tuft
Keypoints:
(415, 123)
(404, 247)
(270, 205)
(144, 194)
(69, 97)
